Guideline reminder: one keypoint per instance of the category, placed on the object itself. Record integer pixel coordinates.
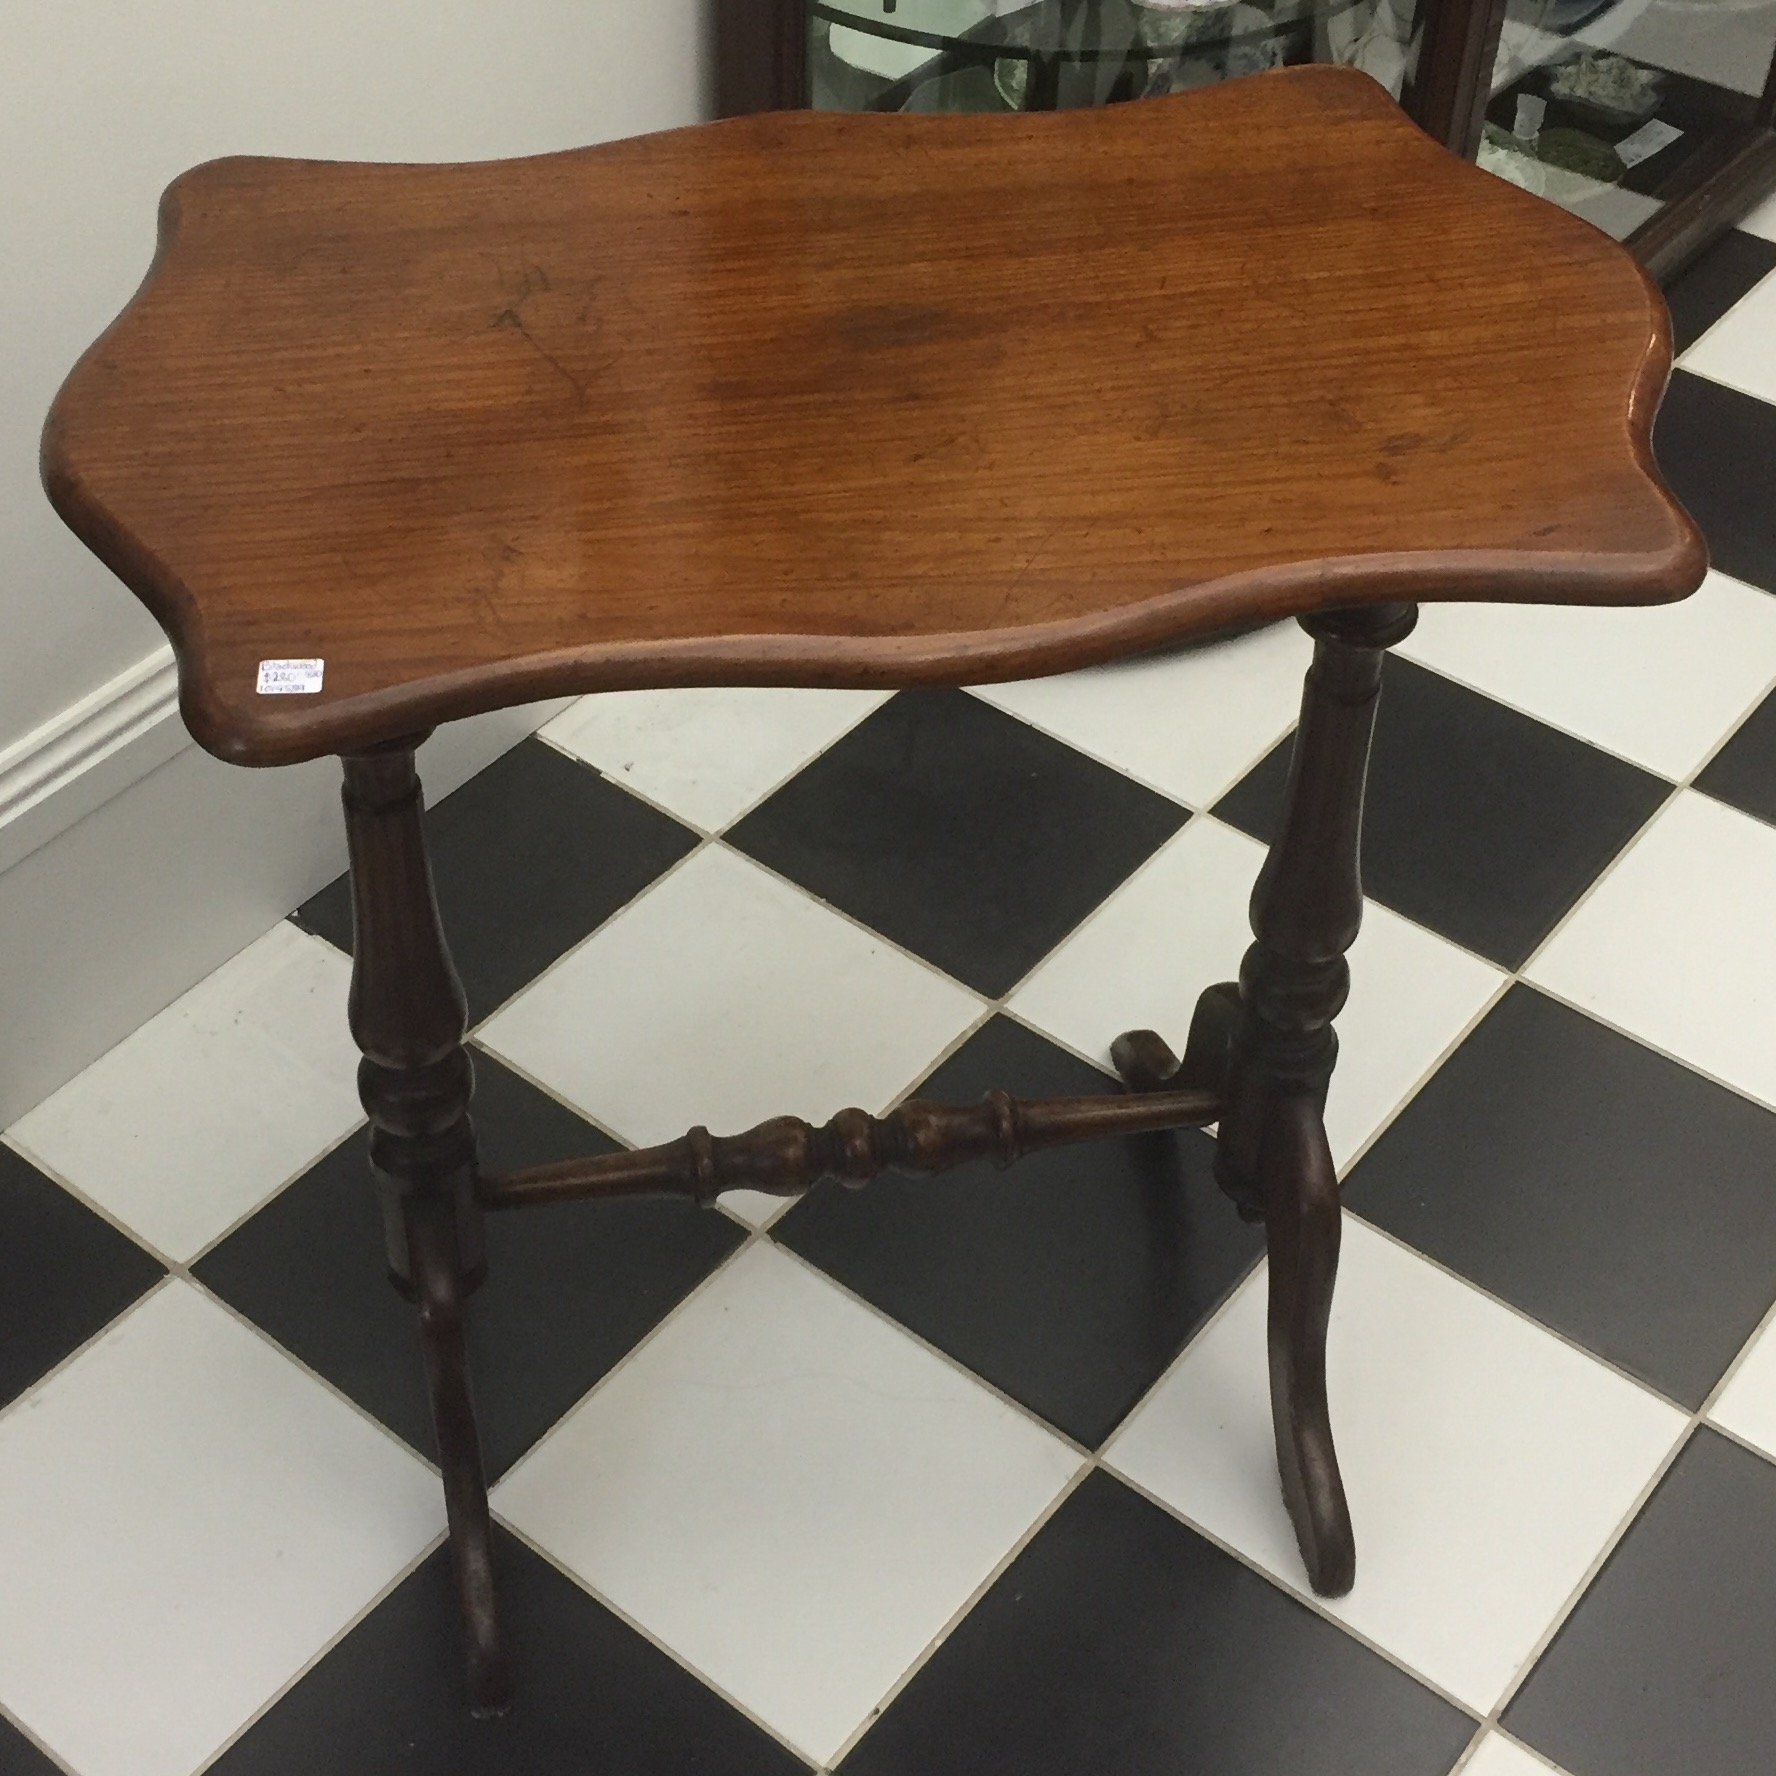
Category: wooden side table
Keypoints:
(853, 400)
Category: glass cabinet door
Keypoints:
(1616, 108)
(1032, 55)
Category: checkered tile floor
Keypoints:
(974, 1475)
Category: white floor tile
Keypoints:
(789, 1492)
(1659, 684)
(1142, 958)
(707, 753)
(185, 1520)
(1760, 219)
(724, 996)
(1189, 723)
(1740, 348)
(1487, 1464)
(206, 1109)
(1678, 945)
(1499, 1756)
(1747, 1405)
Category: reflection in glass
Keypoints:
(1033, 55)
(1612, 108)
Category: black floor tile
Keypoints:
(19, 1757)
(1613, 1194)
(1716, 447)
(1743, 772)
(571, 1287)
(1481, 823)
(1120, 1641)
(528, 856)
(64, 1273)
(1070, 1281)
(592, 1696)
(1710, 285)
(1668, 1664)
(960, 832)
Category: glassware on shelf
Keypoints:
(1630, 102)
(1029, 55)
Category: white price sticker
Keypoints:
(1646, 142)
(290, 678)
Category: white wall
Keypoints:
(130, 864)
(102, 102)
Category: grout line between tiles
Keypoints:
(1629, 846)
(1392, 1115)
(1694, 1421)
(1519, 1313)
(1010, 1401)
(109, 1216)
(1520, 975)
(182, 1271)
(1678, 363)
(41, 1745)
(1596, 1016)
(1766, 1325)
(1587, 1579)
(1307, 1599)
(314, 1659)
(271, 1196)
(754, 1235)
(1206, 645)
(1190, 804)
(1720, 382)
(1529, 1751)
(1603, 746)
(1248, 1279)
(479, 1027)
(750, 807)
(1732, 1436)
(1725, 739)
(28, 1394)
(314, 1375)
(1470, 1751)
(641, 1629)
(544, 1089)
(1487, 1731)
(676, 816)
(851, 919)
(926, 1653)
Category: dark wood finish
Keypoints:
(1268, 1047)
(408, 1016)
(1739, 174)
(1447, 93)
(1303, 1225)
(849, 400)
(787, 1156)
(1147, 1064)
(854, 400)
(761, 56)
(1306, 910)
(1743, 173)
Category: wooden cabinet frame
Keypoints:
(761, 65)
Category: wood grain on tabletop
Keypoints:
(854, 400)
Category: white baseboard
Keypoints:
(77, 761)
(132, 864)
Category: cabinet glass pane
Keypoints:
(1613, 107)
(1027, 55)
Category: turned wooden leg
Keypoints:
(1271, 1155)
(408, 1017)
(1302, 1226)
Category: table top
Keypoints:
(852, 400)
